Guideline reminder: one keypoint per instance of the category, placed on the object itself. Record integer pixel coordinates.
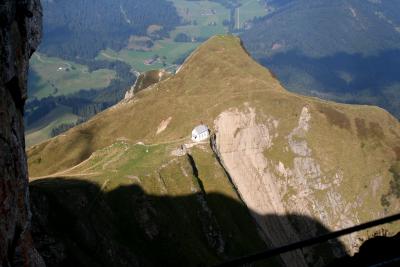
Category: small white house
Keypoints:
(200, 133)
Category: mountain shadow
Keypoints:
(78, 223)
(349, 78)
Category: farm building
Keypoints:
(200, 133)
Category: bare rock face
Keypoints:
(243, 157)
(292, 179)
(20, 33)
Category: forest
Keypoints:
(79, 29)
(346, 64)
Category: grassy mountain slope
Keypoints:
(283, 154)
(84, 42)
(176, 98)
(65, 70)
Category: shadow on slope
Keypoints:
(76, 223)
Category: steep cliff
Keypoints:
(301, 166)
(282, 166)
(20, 34)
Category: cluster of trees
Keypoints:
(61, 128)
(181, 59)
(394, 189)
(79, 29)
(182, 38)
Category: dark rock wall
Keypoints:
(20, 33)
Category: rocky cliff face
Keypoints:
(20, 34)
(280, 170)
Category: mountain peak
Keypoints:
(223, 57)
(283, 153)
(218, 76)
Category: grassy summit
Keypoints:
(218, 75)
(296, 164)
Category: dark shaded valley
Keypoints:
(342, 77)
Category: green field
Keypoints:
(200, 14)
(202, 19)
(56, 77)
(250, 9)
(164, 48)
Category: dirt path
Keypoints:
(60, 175)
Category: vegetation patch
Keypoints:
(395, 182)
(335, 117)
(362, 130)
(277, 153)
(397, 152)
(394, 189)
(373, 131)
(376, 130)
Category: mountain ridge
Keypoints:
(282, 153)
(192, 64)
(179, 82)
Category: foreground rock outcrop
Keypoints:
(20, 34)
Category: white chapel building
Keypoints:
(200, 133)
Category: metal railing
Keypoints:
(263, 255)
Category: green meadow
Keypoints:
(202, 20)
(54, 76)
(167, 49)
